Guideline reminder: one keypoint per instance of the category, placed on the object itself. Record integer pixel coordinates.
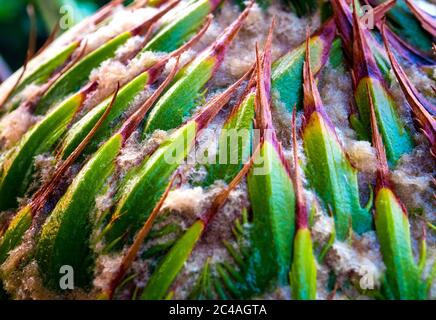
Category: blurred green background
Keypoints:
(15, 25)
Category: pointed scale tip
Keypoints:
(345, 20)
(133, 250)
(405, 49)
(267, 59)
(42, 195)
(260, 113)
(311, 100)
(146, 25)
(50, 38)
(263, 118)
(219, 201)
(33, 32)
(427, 21)
(302, 216)
(263, 93)
(364, 64)
(219, 47)
(382, 165)
(419, 105)
(403, 79)
(32, 103)
(157, 68)
(17, 82)
(211, 109)
(135, 119)
(250, 88)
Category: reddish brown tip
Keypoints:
(263, 118)
(144, 27)
(135, 119)
(311, 100)
(14, 86)
(42, 195)
(31, 46)
(50, 38)
(156, 69)
(343, 19)
(263, 94)
(364, 64)
(427, 21)
(302, 216)
(219, 201)
(219, 47)
(250, 88)
(382, 165)
(267, 59)
(211, 109)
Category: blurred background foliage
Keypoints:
(15, 25)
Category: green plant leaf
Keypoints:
(328, 169)
(65, 236)
(82, 127)
(272, 198)
(179, 100)
(76, 76)
(186, 21)
(393, 233)
(403, 278)
(134, 199)
(41, 73)
(396, 137)
(369, 82)
(159, 283)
